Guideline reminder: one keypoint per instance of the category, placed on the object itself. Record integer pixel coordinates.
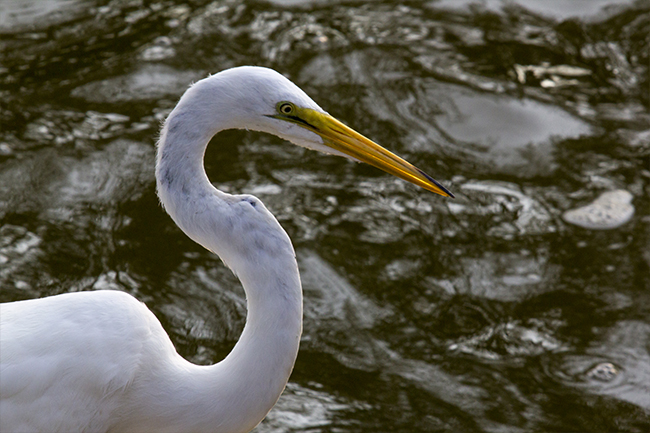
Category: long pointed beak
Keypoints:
(346, 140)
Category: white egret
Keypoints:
(101, 362)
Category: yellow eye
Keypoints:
(285, 108)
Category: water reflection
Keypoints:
(25, 15)
(556, 9)
(616, 365)
(148, 83)
(493, 312)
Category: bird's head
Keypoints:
(262, 99)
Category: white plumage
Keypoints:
(101, 362)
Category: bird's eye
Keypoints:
(286, 108)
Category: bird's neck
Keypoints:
(235, 394)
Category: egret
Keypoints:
(101, 361)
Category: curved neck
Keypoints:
(235, 394)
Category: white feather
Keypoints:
(101, 361)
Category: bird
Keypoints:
(100, 361)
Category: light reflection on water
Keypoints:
(27, 14)
(487, 313)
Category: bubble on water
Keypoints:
(604, 371)
(5, 149)
(610, 210)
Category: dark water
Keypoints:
(498, 311)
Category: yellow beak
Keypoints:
(346, 140)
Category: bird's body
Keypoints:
(34, 368)
(101, 361)
(122, 373)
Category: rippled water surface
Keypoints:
(522, 305)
